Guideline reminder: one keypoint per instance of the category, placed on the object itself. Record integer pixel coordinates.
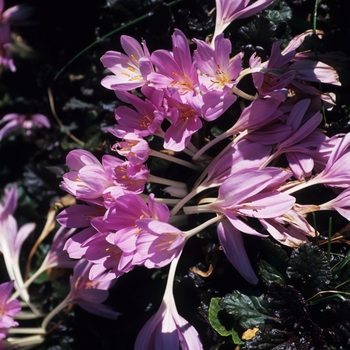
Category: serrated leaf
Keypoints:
(279, 13)
(273, 263)
(309, 268)
(269, 274)
(259, 31)
(287, 304)
(249, 310)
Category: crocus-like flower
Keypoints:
(22, 121)
(158, 243)
(12, 238)
(176, 71)
(130, 70)
(8, 309)
(229, 10)
(166, 329)
(86, 293)
(13, 15)
(217, 70)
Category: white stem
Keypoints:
(201, 227)
(183, 201)
(23, 343)
(162, 181)
(22, 330)
(64, 303)
(29, 281)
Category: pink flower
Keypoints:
(22, 121)
(166, 329)
(12, 16)
(229, 10)
(87, 180)
(217, 70)
(175, 71)
(232, 244)
(143, 121)
(135, 149)
(158, 243)
(131, 70)
(8, 309)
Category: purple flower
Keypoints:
(158, 243)
(175, 70)
(229, 10)
(12, 238)
(8, 309)
(131, 70)
(166, 329)
(12, 16)
(22, 121)
(218, 70)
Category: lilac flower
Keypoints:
(12, 16)
(12, 238)
(284, 71)
(131, 70)
(229, 10)
(217, 70)
(87, 180)
(143, 121)
(88, 294)
(175, 71)
(135, 149)
(158, 243)
(22, 121)
(232, 244)
(166, 329)
(8, 309)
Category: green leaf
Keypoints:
(278, 13)
(309, 268)
(259, 31)
(249, 310)
(269, 274)
(273, 263)
(222, 322)
(223, 327)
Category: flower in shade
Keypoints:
(8, 309)
(166, 329)
(22, 121)
(12, 16)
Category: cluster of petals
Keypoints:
(179, 88)
(27, 122)
(8, 309)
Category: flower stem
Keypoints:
(175, 160)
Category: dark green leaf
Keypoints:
(310, 270)
(250, 309)
(269, 273)
(273, 263)
(268, 339)
(260, 31)
(287, 304)
(279, 12)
